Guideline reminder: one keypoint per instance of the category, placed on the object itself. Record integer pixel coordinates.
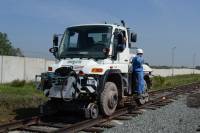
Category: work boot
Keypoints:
(139, 96)
(145, 94)
(140, 99)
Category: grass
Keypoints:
(170, 82)
(16, 97)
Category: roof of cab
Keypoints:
(97, 24)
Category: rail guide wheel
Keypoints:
(92, 111)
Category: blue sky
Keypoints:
(160, 24)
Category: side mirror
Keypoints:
(133, 37)
(55, 41)
(53, 50)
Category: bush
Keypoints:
(18, 83)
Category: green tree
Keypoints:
(6, 47)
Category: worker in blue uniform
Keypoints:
(138, 72)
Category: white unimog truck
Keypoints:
(93, 70)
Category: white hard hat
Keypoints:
(139, 51)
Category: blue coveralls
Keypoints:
(138, 73)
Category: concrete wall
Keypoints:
(168, 72)
(22, 68)
(13, 68)
(33, 67)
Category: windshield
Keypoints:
(85, 42)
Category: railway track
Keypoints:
(40, 124)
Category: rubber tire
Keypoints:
(109, 89)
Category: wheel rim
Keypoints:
(112, 101)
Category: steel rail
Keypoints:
(19, 123)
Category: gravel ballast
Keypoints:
(176, 117)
